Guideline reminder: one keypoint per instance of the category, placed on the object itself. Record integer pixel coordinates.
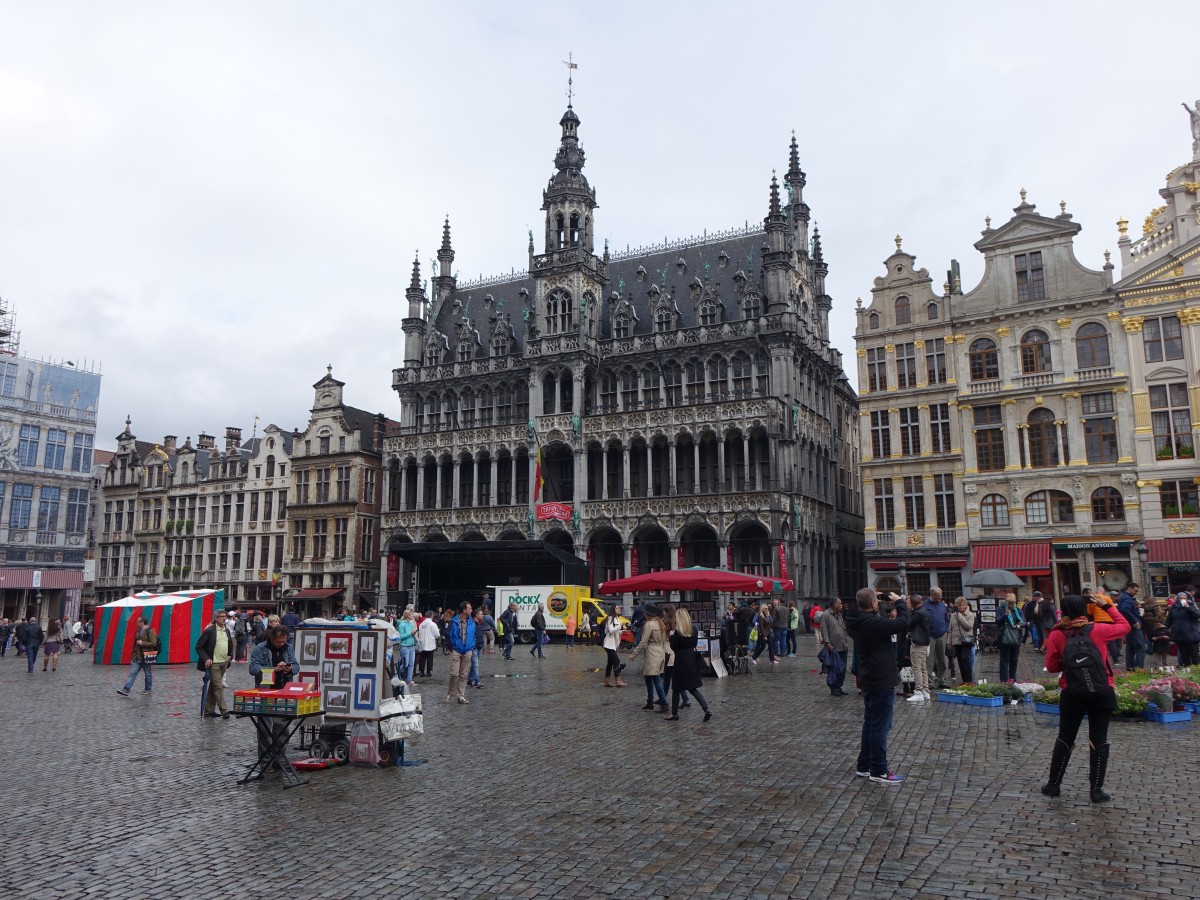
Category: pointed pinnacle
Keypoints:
(775, 211)
(793, 158)
(446, 234)
(415, 283)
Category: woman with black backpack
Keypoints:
(1078, 648)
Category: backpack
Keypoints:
(1083, 667)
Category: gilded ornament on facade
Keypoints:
(1064, 323)
(1003, 331)
(1148, 225)
(1133, 324)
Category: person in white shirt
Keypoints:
(427, 641)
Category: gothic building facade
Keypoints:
(681, 404)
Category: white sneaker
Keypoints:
(926, 693)
(918, 697)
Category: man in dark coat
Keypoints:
(878, 675)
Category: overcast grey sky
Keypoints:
(213, 201)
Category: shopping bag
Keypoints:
(364, 744)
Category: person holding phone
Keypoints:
(1183, 621)
(878, 675)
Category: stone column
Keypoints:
(671, 469)
(721, 464)
(604, 472)
(695, 465)
(420, 485)
(625, 471)
(456, 481)
(1012, 459)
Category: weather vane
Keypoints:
(571, 65)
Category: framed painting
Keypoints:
(343, 674)
(310, 647)
(364, 691)
(337, 644)
(337, 700)
(328, 672)
(368, 649)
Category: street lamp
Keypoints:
(902, 569)
(1143, 555)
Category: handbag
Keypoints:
(1011, 635)
(906, 674)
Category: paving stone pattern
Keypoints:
(552, 785)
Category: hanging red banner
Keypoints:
(633, 561)
(729, 557)
(782, 560)
(553, 510)
(680, 558)
(393, 571)
(591, 563)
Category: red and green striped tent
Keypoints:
(177, 619)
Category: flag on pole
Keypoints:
(537, 477)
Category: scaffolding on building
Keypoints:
(10, 338)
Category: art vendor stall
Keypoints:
(177, 618)
(347, 664)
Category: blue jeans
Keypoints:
(779, 638)
(1135, 650)
(509, 638)
(473, 677)
(408, 657)
(654, 684)
(537, 644)
(134, 668)
(31, 652)
(877, 722)
(1008, 661)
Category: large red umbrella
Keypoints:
(697, 578)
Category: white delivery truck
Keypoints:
(557, 602)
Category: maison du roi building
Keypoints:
(685, 401)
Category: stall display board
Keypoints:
(347, 664)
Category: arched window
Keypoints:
(718, 374)
(1107, 505)
(985, 360)
(552, 314)
(466, 409)
(903, 311)
(1091, 346)
(621, 326)
(562, 237)
(743, 375)
(664, 319)
(762, 374)
(549, 383)
(650, 386)
(566, 393)
(500, 344)
(1049, 508)
(695, 381)
(629, 389)
(993, 511)
(873, 321)
(1043, 439)
(751, 306)
(708, 313)
(1035, 352)
(673, 383)
(465, 350)
(566, 314)
(931, 311)
(433, 354)
(574, 229)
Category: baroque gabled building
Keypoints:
(684, 400)
(174, 517)
(333, 509)
(1159, 294)
(997, 423)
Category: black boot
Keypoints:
(1058, 767)
(1098, 765)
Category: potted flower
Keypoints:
(189, 525)
(170, 525)
(1186, 451)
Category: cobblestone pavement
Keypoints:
(552, 785)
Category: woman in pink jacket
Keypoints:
(1087, 688)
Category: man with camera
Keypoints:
(878, 676)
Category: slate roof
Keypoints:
(660, 267)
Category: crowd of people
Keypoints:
(28, 638)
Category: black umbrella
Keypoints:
(994, 578)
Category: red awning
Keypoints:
(12, 578)
(696, 578)
(1174, 550)
(1020, 559)
(936, 563)
(315, 594)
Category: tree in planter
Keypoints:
(166, 571)
(170, 525)
(185, 570)
(1186, 451)
(189, 524)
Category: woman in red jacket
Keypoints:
(1097, 704)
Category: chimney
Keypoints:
(233, 439)
(169, 441)
(205, 442)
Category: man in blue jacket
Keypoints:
(939, 614)
(460, 637)
(878, 676)
(1135, 642)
